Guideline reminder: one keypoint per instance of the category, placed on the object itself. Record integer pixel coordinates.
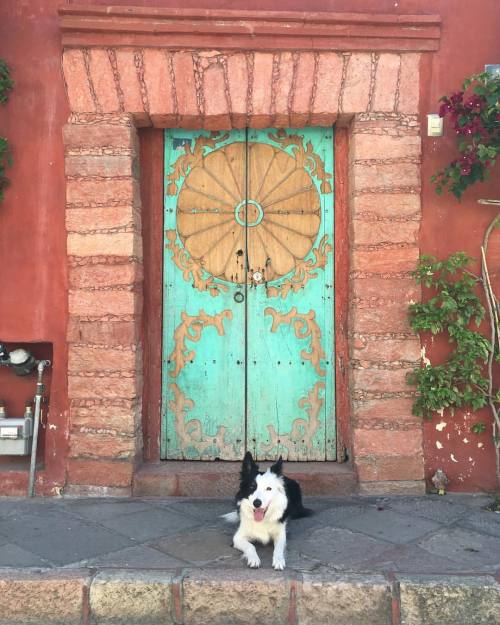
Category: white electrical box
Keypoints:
(16, 436)
(434, 125)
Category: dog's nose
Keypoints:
(257, 503)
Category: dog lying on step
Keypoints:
(265, 502)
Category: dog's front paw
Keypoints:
(253, 561)
(279, 563)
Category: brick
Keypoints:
(392, 442)
(81, 193)
(391, 409)
(85, 387)
(404, 488)
(100, 472)
(131, 598)
(103, 81)
(449, 600)
(42, 598)
(381, 380)
(409, 83)
(282, 89)
(102, 359)
(345, 599)
(375, 468)
(99, 303)
(386, 288)
(261, 91)
(374, 233)
(103, 332)
(105, 166)
(357, 83)
(301, 101)
(389, 350)
(89, 445)
(380, 320)
(326, 101)
(385, 260)
(386, 80)
(108, 244)
(105, 275)
(366, 146)
(124, 417)
(210, 599)
(216, 104)
(159, 87)
(385, 176)
(89, 135)
(102, 218)
(185, 86)
(77, 84)
(129, 82)
(386, 204)
(238, 86)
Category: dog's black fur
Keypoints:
(249, 471)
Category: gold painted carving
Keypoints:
(191, 269)
(190, 433)
(305, 270)
(305, 327)
(191, 329)
(305, 157)
(300, 442)
(192, 158)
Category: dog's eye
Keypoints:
(269, 488)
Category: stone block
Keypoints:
(131, 598)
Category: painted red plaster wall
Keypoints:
(33, 278)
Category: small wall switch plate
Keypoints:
(434, 125)
(493, 69)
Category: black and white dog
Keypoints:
(265, 501)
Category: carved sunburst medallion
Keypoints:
(278, 203)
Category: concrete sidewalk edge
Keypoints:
(234, 597)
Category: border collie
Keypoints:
(265, 502)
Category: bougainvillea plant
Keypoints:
(475, 115)
(6, 85)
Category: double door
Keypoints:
(248, 319)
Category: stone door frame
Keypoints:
(129, 68)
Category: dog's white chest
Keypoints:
(261, 531)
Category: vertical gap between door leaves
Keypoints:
(246, 288)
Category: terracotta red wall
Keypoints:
(33, 278)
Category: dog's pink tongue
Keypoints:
(258, 514)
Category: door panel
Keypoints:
(290, 403)
(248, 295)
(203, 327)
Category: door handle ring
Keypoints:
(239, 297)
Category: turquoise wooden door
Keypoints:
(248, 339)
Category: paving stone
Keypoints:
(391, 526)
(469, 548)
(199, 547)
(449, 601)
(411, 559)
(205, 509)
(430, 507)
(155, 523)
(61, 538)
(130, 598)
(348, 600)
(341, 547)
(236, 597)
(482, 521)
(44, 598)
(140, 556)
(98, 510)
(17, 557)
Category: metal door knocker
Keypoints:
(239, 297)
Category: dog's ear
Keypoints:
(249, 468)
(278, 466)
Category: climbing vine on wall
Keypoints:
(6, 85)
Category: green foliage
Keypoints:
(6, 85)
(476, 120)
(451, 309)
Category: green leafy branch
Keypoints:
(6, 85)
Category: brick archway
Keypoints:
(121, 77)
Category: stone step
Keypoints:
(220, 479)
(239, 597)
